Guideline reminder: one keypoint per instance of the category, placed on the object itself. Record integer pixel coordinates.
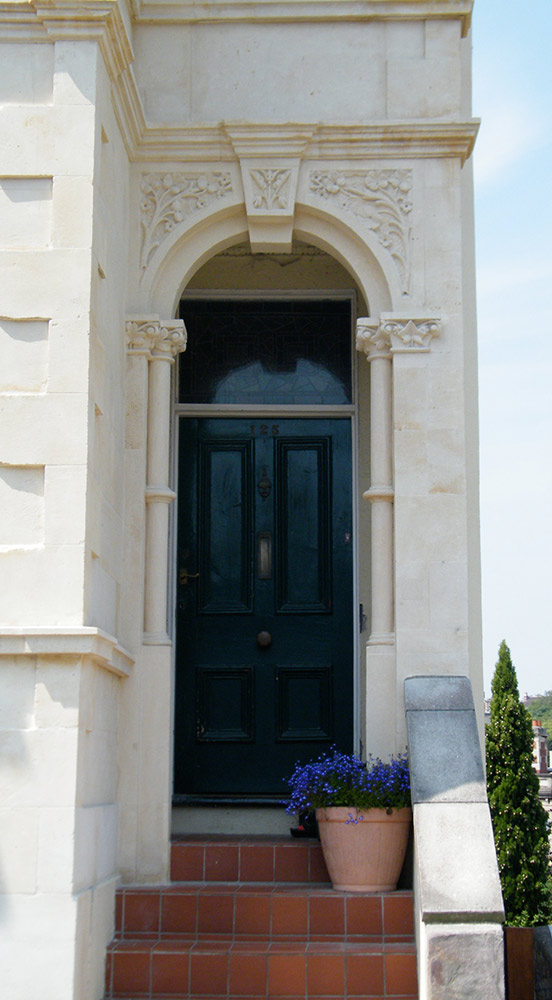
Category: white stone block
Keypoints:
(18, 850)
(82, 944)
(44, 430)
(99, 699)
(85, 848)
(101, 597)
(444, 392)
(22, 505)
(38, 767)
(106, 842)
(27, 590)
(412, 596)
(57, 691)
(405, 39)
(423, 88)
(105, 532)
(27, 73)
(97, 773)
(17, 683)
(448, 596)
(410, 398)
(272, 67)
(442, 38)
(102, 931)
(75, 72)
(72, 212)
(446, 461)
(65, 504)
(56, 849)
(380, 736)
(23, 355)
(60, 282)
(410, 462)
(46, 141)
(25, 212)
(69, 348)
(37, 946)
(430, 528)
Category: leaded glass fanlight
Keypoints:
(266, 351)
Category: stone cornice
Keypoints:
(268, 139)
(97, 20)
(85, 641)
(389, 140)
(183, 11)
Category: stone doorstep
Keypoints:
(247, 859)
(260, 968)
(251, 918)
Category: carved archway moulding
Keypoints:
(194, 242)
(270, 199)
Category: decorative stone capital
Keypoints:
(396, 334)
(154, 339)
(269, 157)
(411, 335)
(371, 339)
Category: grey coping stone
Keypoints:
(457, 871)
(438, 693)
(445, 757)
(464, 963)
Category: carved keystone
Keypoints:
(270, 158)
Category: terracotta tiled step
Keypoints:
(253, 919)
(251, 859)
(187, 967)
(260, 910)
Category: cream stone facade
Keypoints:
(148, 149)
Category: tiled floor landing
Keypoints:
(257, 918)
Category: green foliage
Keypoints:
(541, 710)
(520, 822)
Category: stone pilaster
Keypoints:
(158, 343)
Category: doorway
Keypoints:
(264, 581)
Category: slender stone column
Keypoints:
(373, 341)
(160, 343)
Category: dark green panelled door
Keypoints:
(264, 671)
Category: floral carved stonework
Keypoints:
(270, 188)
(167, 199)
(381, 199)
(152, 337)
(395, 334)
(412, 335)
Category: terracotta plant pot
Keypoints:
(364, 855)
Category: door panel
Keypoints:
(264, 632)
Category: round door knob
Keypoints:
(264, 639)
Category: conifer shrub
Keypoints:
(519, 820)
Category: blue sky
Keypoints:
(512, 94)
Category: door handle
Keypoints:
(184, 576)
(264, 639)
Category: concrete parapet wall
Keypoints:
(458, 900)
